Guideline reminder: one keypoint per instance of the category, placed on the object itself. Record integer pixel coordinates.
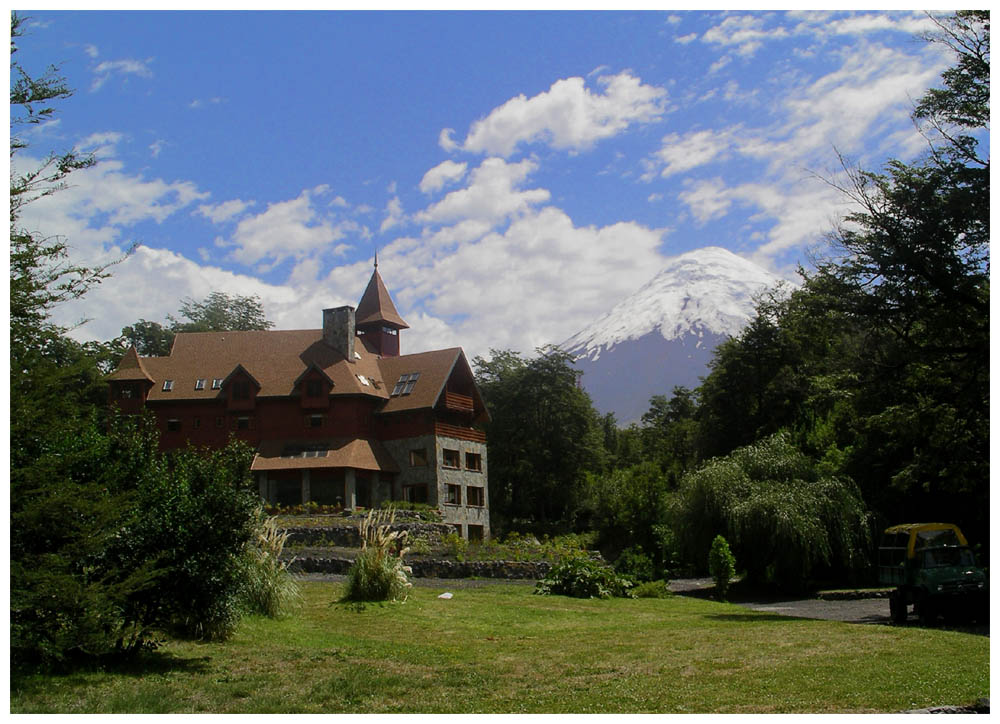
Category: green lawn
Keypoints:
(502, 649)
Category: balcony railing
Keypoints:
(458, 403)
(459, 433)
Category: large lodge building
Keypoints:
(337, 415)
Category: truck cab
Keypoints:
(934, 570)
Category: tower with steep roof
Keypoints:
(376, 318)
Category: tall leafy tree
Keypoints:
(220, 312)
(544, 436)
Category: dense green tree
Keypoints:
(669, 433)
(544, 436)
(786, 520)
(221, 312)
(150, 339)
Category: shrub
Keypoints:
(378, 573)
(652, 589)
(269, 588)
(635, 564)
(455, 546)
(721, 565)
(582, 577)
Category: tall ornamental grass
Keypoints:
(378, 573)
(270, 589)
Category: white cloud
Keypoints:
(683, 153)
(746, 32)
(393, 214)
(492, 195)
(219, 213)
(446, 141)
(125, 67)
(707, 199)
(685, 39)
(441, 175)
(90, 50)
(202, 102)
(156, 147)
(538, 282)
(293, 229)
(567, 116)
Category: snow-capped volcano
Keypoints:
(663, 335)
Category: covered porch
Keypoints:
(349, 472)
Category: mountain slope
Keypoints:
(663, 335)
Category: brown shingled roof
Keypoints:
(360, 454)
(275, 359)
(376, 305)
(130, 368)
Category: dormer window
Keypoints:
(241, 390)
(168, 385)
(200, 383)
(314, 388)
(404, 385)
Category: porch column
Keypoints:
(350, 491)
(305, 486)
(262, 485)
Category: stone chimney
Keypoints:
(338, 330)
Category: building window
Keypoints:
(314, 388)
(453, 494)
(458, 528)
(126, 392)
(168, 385)
(241, 390)
(475, 532)
(199, 384)
(450, 459)
(475, 497)
(418, 458)
(220, 421)
(314, 421)
(404, 385)
(243, 423)
(196, 423)
(217, 383)
(474, 462)
(173, 425)
(415, 493)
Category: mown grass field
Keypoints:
(501, 649)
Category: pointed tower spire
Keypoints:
(377, 319)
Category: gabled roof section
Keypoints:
(376, 305)
(130, 369)
(236, 370)
(313, 366)
(435, 369)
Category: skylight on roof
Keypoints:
(199, 383)
(363, 380)
(168, 385)
(404, 385)
(217, 383)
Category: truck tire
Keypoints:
(926, 611)
(897, 607)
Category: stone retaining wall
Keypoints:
(347, 536)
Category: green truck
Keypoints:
(933, 569)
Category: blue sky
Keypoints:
(519, 173)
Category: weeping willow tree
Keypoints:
(786, 521)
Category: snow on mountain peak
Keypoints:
(705, 290)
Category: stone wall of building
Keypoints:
(464, 477)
